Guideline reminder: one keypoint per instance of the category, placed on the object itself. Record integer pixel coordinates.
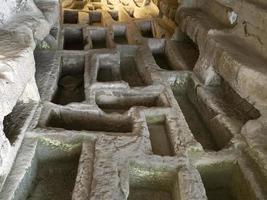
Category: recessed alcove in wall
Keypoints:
(162, 60)
(73, 39)
(98, 38)
(146, 29)
(45, 171)
(174, 54)
(70, 17)
(161, 56)
(54, 177)
(129, 71)
(229, 180)
(119, 34)
(188, 51)
(159, 135)
(151, 184)
(95, 18)
(214, 114)
(77, 120)
(108, 69)
(116, 68)
(71, 81)
(120, 102)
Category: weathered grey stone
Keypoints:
(133, 99)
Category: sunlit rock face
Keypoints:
(133, 99)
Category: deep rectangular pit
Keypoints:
(189, 52)
(149, 184)
(70, 17)
(104, 74)
(200, 114)
(73, 39)
(55, 179)
(71, 120)
(162, 60)
(71, 81)
(52, 174)
(113, 68)
(196, 123)
(129, 71)
(98, 38)
(95, 18)
(120, 36)
(159, 136)
(226, 181)
(121, 103)
(146, 29)
(108, 68)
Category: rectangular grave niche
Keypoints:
(159, 135)
(71, 81)
(73, 39)
(225, 181)
(121, 102)
(52, 173)
(151, 184)
(77, 120)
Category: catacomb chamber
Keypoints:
(130, 99)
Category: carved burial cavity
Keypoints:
(95, 18)
(70, 17)
(71, 81)
(160, 56)
(162, 60)
(119, 67)
(159, 135)
(128, 68)
(188, 51)
(146, 29)
(151, 184)
(214, 114)
(120, 35)
(98, 38)
(78, 120)
(73, 39)
(121, 102)
(52, 173)
(108, 68)
(174, 55)
(230, 181)
(129, 71)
